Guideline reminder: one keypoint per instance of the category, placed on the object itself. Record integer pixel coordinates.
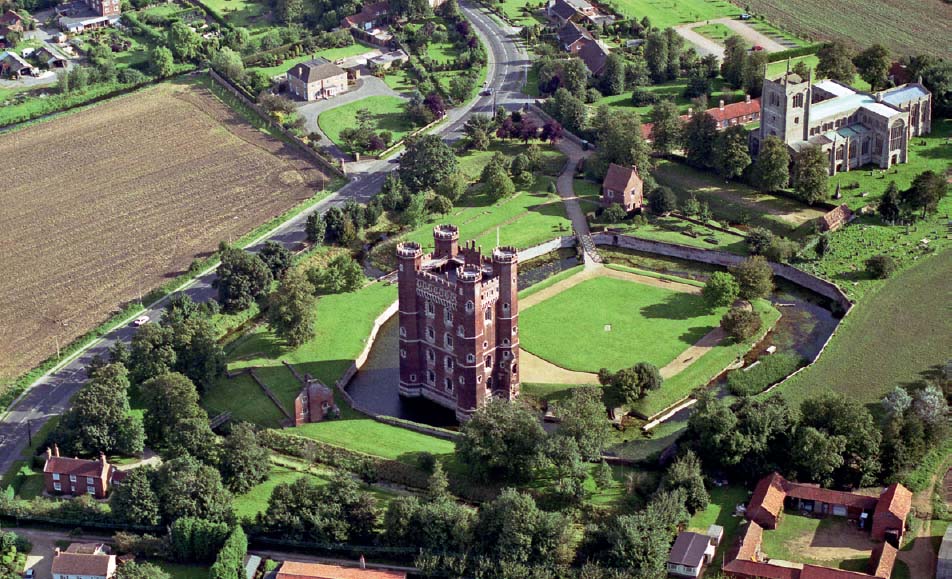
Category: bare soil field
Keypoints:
(100, 206)
(904, 26)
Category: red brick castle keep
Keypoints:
(459, 323)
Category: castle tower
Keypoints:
(785, 108)
(458, 323)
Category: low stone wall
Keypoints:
(547, 247)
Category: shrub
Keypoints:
(880, 266)
(720, 290)
(641, 97)
(662, 201)
(614, 213)
(758, 240)
(781, 250)
(770, 370)
(740, 323)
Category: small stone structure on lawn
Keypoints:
(314, 403)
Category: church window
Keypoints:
(796, 120)
(470, 306)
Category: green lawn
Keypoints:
(737, 202)
(793, 530)
(331, 54)
(891, 337)
(441, 52)
(715, 31)
(180, 571)
(399, 80)
(244, 13)
(550, 281)
(387, 111)
(667, 13)
(375, 438)
(720, 511)
(647, 324)
(256, 500)
(671, 90)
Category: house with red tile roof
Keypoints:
(835, 218)
(76, 476)
(371, 16)
(624, 186)
(739, 113)
(85, 561)
(301, 570)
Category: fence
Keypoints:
(288, 135)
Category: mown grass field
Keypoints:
(127, 194)
(830, 542)
(647, 324)
(890, 338)
(671, 90)
(375, 438)
(245, 13)
(904, 26)
(666, 13)
(387, 112)
(331, 54)
(720, 511)
(515, 10)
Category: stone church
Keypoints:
(853, 128)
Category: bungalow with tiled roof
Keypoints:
(83, 562)
(623, 185)
(75, 476)
(835, 218)
(594, 53)
(301, 570)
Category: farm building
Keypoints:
(316, 79)
(375, 15)
(12, 65)
(943, 569)
(299, 570)
(623, 185)
(836, 218)
(852, 128)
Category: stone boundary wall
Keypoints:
(324, 163)
(546, 247)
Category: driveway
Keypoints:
(40, 558)
(367, 86)
(705, 45)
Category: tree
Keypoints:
(551, 131)
(161, 62)
(700, 138)
(836, 62)
(315, 228)
(810, 174)
(502, 441)
(133, 570)
(453, 187)
(242, 277)
(720, 290)
(880, 266)
(619, 139)
(836, 416)
(342, 275)
(99, 419)
(188, 488)
(628, 385)
(735, 60)
(781, 250)
(426, 162)
(873, 66)
(740, 323)
(338, 512)
(612, 80)
(151, 352)
(499, 185)
(614, 213)
(169, 400)
(289, 11)
(731, 153)
(938, 78)
(568, 109)
(135, 501)
(896, 402)
(759, 239)
(662, 201)
(771, 169)
(229, 63)
(584, 418)
(415, 213)
(603, 475)
(817, 455)
(888, 207)
(183, 41)
(277, 257)
(656, 55)
(685, 474)
(291, 312)
(754, 276)
(927, 190)
(667, 128)
(245, 463)
(478, 131)
(194, 540)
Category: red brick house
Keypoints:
(835, 218)
(85, 561)
(314, 403)
(623, 185)
(746, 111)
(300, 570)
(75, 476)
(370, 16)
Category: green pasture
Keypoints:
(330, 54)
(672, 90)
(668, 13)
(375, 438)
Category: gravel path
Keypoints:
(705, 45)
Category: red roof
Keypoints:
(301, 570)
(10, 17)
(621, 178)
(368, 13)
(883, 560)
(87, 565)
(896, 500)
(815, 493)
(735, 110)
(836, 217)
(77, 467)
(768, 495)
(817, 572)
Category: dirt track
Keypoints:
(102, 205)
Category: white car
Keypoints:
(140, 321)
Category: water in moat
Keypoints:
(806, 323)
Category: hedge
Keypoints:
(197, 540)
(230, 561)
(793, 52)
(755, 379)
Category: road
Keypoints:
(50, 394)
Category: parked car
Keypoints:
(488, 92)
(756, 48)
(745, 16)
(140, 321)
(28, 574)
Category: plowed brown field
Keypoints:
(100, 206)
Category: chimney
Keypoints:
(49, 453)
(102, 458)
(55, 449)
(690, 111)
(722, 104)
(747, 99)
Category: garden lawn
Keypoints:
(892, 337)
(720, 511)
(667, 13)
(441, 52)
(795, 535)
(244, 13)
(387, 112)
(344, 322)
(647, 324)
(671, 90)
(180, 571)
(375, 438)
(255, 501)
(514, 10)
(331, 54)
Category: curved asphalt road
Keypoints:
(50, 395)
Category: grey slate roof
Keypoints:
(315, 70)
(689, 549)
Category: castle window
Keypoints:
(430, 356)
(430, 309)
(515, 330)
(479, 379)
(448, 363)
(470, 358)
(489, 362)
(448, 384)
(485, 344)
(403, 332)
(489, 314)
(448, 341)
(505, 307)
(412, 377)
(462, 380)
(431, 377)
(401, 267)
(515, 368)
(430, 334)
(403, 352)
(507, 354)
(448, 316)
(460, 331)
(505, 341)
(470, 307)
